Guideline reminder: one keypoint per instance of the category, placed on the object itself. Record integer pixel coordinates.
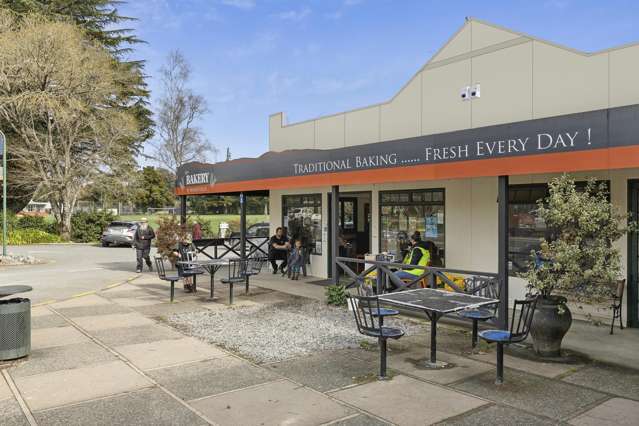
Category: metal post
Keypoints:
(334, 232)
(242, 226)
(183, 209)
(382, 361)
(502, 267)
(4, 193)
(500, 364)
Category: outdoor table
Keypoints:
(10, 290)
(211, 266)
(435, 304)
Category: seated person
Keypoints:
(278, 247)
(418, 255)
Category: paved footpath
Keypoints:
(110, 359)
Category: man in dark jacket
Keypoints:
(142, 242)
(278, 248)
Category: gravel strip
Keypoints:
(279, 331)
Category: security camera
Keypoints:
(475, 92)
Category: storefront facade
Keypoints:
(490, 103)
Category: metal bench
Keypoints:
(484, 287)
(237, 273)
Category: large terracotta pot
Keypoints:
(550, 324)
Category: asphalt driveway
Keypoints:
(70, 269)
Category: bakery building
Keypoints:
(461, 153)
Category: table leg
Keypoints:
(432, 362)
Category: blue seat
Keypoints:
(237, 274)
(523, 312)
(369, 318)
(493, 336)
(479, 314)
(484, 287)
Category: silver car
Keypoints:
(119, 234)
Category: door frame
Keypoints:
(632, 279)
(329, 201)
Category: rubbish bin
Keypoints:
(15, 328)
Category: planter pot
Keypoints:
(550, 324)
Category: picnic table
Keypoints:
(435, 304)
(211, 266)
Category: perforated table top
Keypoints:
(440, 301)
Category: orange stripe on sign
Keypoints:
(598, 159)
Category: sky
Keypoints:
(307, 58)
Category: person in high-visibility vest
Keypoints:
(418, 255)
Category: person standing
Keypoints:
(142, 242)
(197, 231)
(278, 248)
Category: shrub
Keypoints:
(32, 222)
(336, 295)
(31, 236)
(168, 234)
(88, 226)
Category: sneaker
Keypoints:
(139, 271)
(150, 268)
(274, 271)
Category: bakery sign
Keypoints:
(201, 178)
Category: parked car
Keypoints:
(261, 229)
(119, 234)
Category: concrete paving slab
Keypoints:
(40, 311)
(212, 377)
(11, 413)
(138, 334)
(546, 369)
(120, 288)
(547, 397)
(47, 321)
(91, 299)
(462, 368)
(63, 387)
(58, 336)
(359, 420)
(498, 415)
(132, 302)
(92, 310)
(408, 401)
(139, 292)
(61, 358)
(329, 370)
(614, 412)
(614, 380)
(274, 403)
(164, 353)
(105, 322)
(5, 390)
(148, 407)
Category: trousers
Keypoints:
(143, 254)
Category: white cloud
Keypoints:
(240, 4)
(293, 15)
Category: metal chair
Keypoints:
(523, 311)
(237, 274)
(617, 301)
(159, 266)
(254, 267)
(484, 287)
(189, 270)
(365, 290)
(369, 323)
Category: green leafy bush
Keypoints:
(31, 236)
(88, 226)
(336, 295)
(32, 222)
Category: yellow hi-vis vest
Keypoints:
(423, 261)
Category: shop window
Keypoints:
(302, 215)
(404, 212)
(348, 214)
(525, 230)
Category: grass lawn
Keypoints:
(213, 220)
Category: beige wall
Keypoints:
(521, 78)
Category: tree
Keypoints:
(154, 188)
(56, 94)
(180, 140)
(100, 20)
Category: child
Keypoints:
(296, 260)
